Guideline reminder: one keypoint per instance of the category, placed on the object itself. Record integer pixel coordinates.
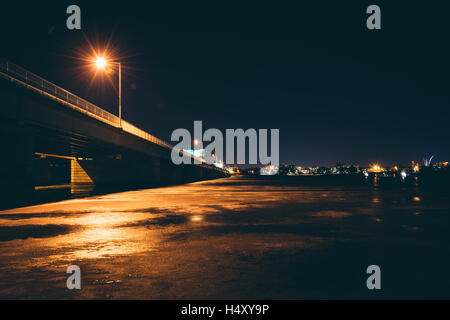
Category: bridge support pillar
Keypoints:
(116, 172)
(16, 163)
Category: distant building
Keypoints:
(345, 169)
(268, 170)
(199, 153)
(287, 170)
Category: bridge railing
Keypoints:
(40, 84)
(44, 86)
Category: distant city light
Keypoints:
(268, 171)
(376, 168)
(403, 174)
(199, 153)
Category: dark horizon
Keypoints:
(337, 91)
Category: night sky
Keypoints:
(337, 91)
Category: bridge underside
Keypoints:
(96, 154)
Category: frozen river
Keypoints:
(231, 238)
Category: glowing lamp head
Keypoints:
(100, 63)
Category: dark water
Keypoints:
(266, 238)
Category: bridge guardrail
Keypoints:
(39, 83)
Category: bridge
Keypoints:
(41, 121)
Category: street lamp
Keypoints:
(101, 63)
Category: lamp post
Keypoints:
(101, 63)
